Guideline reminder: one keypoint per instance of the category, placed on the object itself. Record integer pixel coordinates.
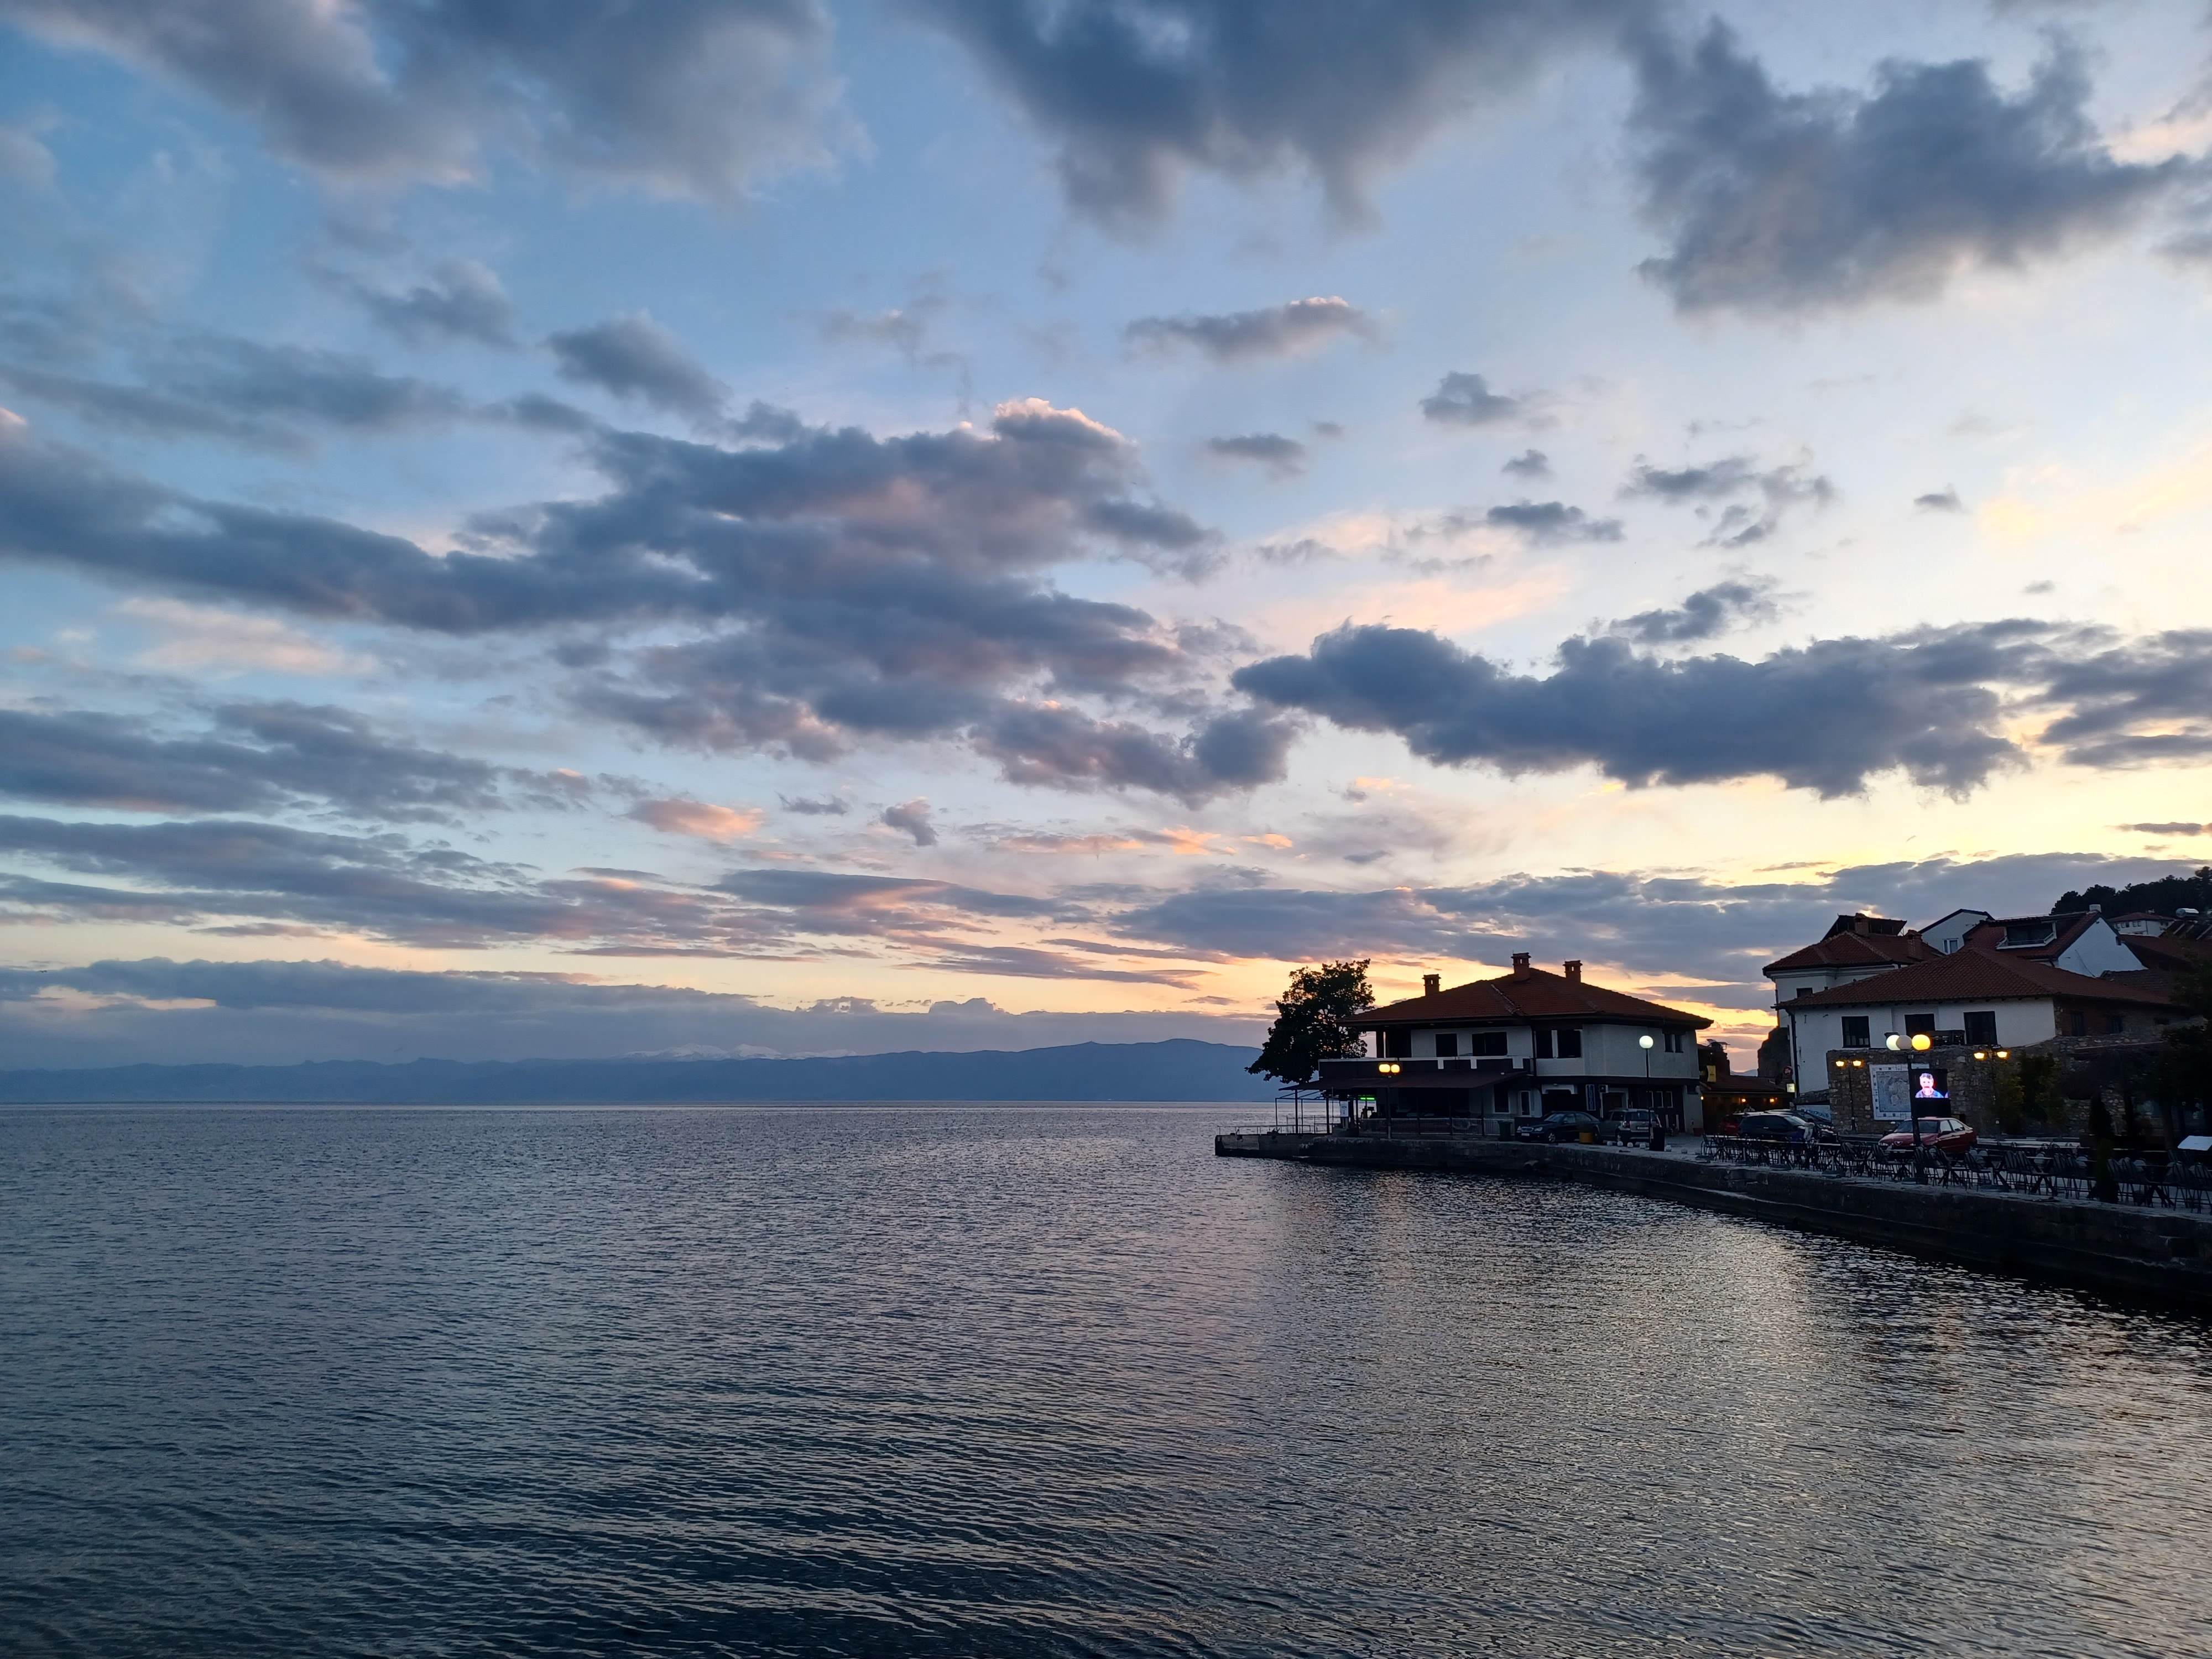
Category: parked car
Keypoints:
(1633, 1127)
(1948, 1135)
(1561, 1126)
(1783, 1128)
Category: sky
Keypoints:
(784, 526)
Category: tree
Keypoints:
(1313, 1021)
(2184, 1065)
(2166, 895)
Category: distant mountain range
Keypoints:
(1180, 1069)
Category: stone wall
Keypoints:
(2159, 1255)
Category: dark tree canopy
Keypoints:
(2165, 896)
(1313, 1021)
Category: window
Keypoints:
(1447, 1044)
(1570, 1043)
(2081, 1023)
(1982, 1025)
(1674, 1042)
(1397, 1044)
(1916, 1023)
(1528, 1105)
(2116, 1025)
(1543, 1044)
(1854, 1031)
(2041, 931)
(1485, 1042)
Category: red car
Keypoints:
(1948, 1135)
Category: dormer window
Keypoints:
(2040, 931)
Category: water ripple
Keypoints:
(1017, 1381)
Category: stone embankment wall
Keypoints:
(2148, 1253)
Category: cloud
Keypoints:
(262, 757)
(1466, 400)
(707, 98)
(911, 819)
(462, 300)
(1826, 717)
(1940, 501)
(1777, 202)
(1779, 489)
(836, 587)
(1530, 463)
(1707, 613)
(1137, 96)
(635, 357)
(827, 805)
(1544, 523)
(222, 386)
(1049, 745)
(2134, 702)
(681, 816)
(1681, 926)
(1283, 457)
(276, 1012)
(1244, 336)
(211, 643)
(2167, 829)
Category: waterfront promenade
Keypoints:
(2151, 1252)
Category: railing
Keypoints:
(2035, 1169)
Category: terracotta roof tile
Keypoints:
(1973, 973)
(1856, 950)
(1534, 994)
(2066, 928)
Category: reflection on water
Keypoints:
(980, 1379)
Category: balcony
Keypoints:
(1366, 1076)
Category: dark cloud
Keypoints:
(462, 300)
(141, 411)
(1724, 484)
(697, 97)
(282, 1013)
(839, 586)
(1282, 457)
(2168, 828)
(911, 819)
(1706, 613)
(236, 876)
(1940, 501)
(1137, 96)
(1330, 429)
(1826, 717)
(636, 357)
(1530, 463)
(1243, 335)
(1042, 744)
(1933, 703)
(1466, 400)
(1782, 201)
(2134, 702)
(824, 806)
(257, 756)
(1692, 927)
(221, 386)
(1543, 522)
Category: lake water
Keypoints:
(994, 1380)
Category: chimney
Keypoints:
(1431, 983)
(1574, 972)
(1520, 964)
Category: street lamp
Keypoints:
(1644, 1043)
(1921, 1043)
